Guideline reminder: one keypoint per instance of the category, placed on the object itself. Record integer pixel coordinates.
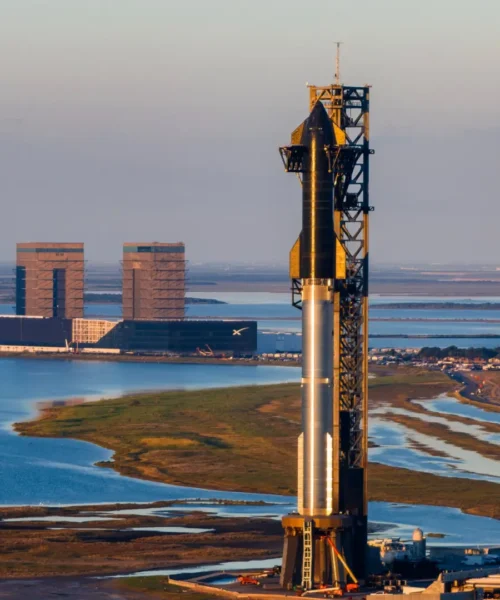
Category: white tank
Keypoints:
(419, 545)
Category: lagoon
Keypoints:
(59, 471)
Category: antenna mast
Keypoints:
(337, 63)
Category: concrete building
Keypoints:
(154, 281)
(49, 280)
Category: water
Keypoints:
(59, 471)
(396, 449)
(50, 471)
(274, 313)
(275, 316)
(443, 327)
(451, 406)
(401, 446)
(476, 430)
(459, 528)
(434, 313)
(393, 342)
(280, 506)
(235, 565)
(400, 520)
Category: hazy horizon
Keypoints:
(160, 120)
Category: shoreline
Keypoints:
(198, 539)
(240, 537)
(106, 543)
(185, 360)
(166, 456)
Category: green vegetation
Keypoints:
(232, 438)
(455, 352)
(245, 439)
(391, 484)
(411, 377)
(442, 432)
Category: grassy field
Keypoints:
(244, 439)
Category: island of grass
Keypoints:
(244, 439)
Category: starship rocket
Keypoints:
(325, 540)
(317, 273)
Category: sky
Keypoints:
(160, 120)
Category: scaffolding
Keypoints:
(50, 284)
(154, 285)
(90, 331)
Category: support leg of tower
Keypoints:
(312, 563)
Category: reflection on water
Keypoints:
(459, 528)
(451, 406)
(62, 471)
(236, 565)
(401, 446)
(273, 511)
(399, 520)
(456, 461)
(456, 426)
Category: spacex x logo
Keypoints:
(239, 331)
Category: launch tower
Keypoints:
(325, 541)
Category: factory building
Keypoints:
(184, 338)
(49, 280)
(35, 331)
(205, 338)
(154, 281)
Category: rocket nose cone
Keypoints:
(319, 120)
(318, 114)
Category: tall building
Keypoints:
(49, 280)
(154, 281)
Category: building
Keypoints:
(189, 337)
(35, 332)
(183, 338)
(154, 281)
(49, 280)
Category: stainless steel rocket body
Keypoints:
(317, 270)
(317, 417)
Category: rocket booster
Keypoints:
(314, 258)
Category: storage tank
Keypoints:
(419, 545)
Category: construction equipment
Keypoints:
(248, 580)
(350, 588)
(207, 352)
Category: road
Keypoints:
(469, 388)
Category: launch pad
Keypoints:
(311, 557)
(326, 541)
